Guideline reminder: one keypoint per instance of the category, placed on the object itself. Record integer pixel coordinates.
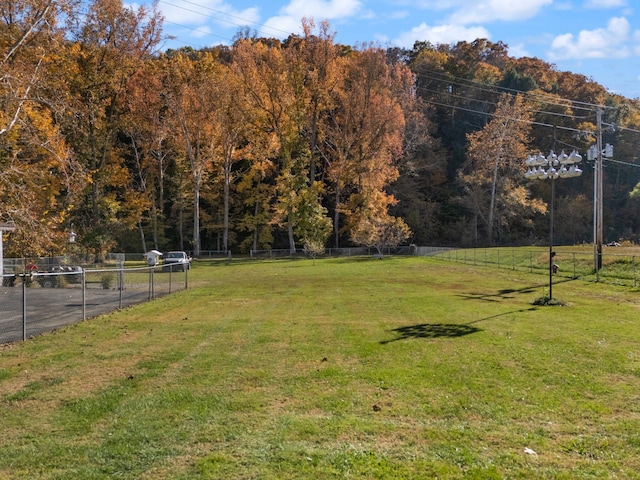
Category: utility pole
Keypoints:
(597, 197)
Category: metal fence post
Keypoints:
(84, 295)
(151, 284)
(121, 286)
(24, 307)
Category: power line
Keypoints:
(546, 98)
(628, 164)
(195, 30)
(205, 16)
(246, 21)
(460, 97)
(541, 124)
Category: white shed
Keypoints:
(153, 256)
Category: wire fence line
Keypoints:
(617, 268)
(337, 252)
(621, 268)
(35, 302)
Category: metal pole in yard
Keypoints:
(551, 252)
(121, 286)
(84, 295)
(553, 167)
(151, 284)
(24, 307)
(530, 262)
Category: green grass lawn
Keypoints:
(343, 368)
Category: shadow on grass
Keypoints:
(509, 292)
(432, 330)
(446, 330)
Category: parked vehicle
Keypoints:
(176, 261)
(8, 279)
(72, 273)
(59, 276)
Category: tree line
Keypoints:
(299, 143)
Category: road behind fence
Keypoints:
(31, 304)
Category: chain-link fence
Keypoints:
(35, 302)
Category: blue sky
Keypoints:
(596, 38)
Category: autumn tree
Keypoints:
(257, 191)
(38, 176)
(147, 131)
(271, 94)
(313, 226)
(491, 178)
(421, 187)
(364, 136)
(193, 97)
(373, 225)
(231, 116)
(313, 60)
(106, 48)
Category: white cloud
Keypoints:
(492, 10)
(400, 14)
(610, 42)
(636, 41)
(441, 34)
(563, 6)
(518, 51)
(290, 16)
(285, 25)
(200, 32)
(605, 3)
(321, 9)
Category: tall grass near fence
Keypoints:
(339, 368)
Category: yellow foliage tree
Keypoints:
(492, 175)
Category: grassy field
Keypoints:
(343, 368)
